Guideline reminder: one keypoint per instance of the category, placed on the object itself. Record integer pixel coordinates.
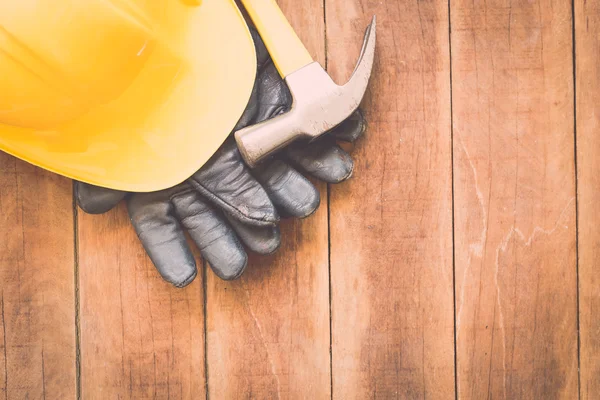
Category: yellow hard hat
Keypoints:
(133, 95)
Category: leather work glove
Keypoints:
(225, 206)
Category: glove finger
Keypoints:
(226, 182)
(292, 194)
(96, 200)
(351, 128)
(322, 159)
(215, 239)
(154, 220)
(259, 239)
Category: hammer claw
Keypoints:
(318, 105)
(364, 64)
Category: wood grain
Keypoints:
(393, 314)
(37, 286)
(141, 338)
(391, 225)
(587, 39)
(268, 333)
(514, 197)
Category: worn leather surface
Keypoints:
(225, 207)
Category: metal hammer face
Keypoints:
(319, 104)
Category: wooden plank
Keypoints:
(268, 333)
(391, 225)
(514, 196)
(37, 286)
(587, 31)
(141, 338)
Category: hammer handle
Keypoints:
(285, 48)
(258, 141)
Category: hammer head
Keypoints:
(319, 104)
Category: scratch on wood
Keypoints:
(502, 248)
(476, 249)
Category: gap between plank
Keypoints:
(77, 302)
(328, 189)
(573, 39)
(204, 303)
(452, 183)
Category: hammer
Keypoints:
(319, 104)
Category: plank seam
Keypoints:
(453, 209)
(573, 48)
(330, 295)
(5, 350)
(77, 297)
(205, 307)
(328, 230)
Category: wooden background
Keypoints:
(460, 260)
